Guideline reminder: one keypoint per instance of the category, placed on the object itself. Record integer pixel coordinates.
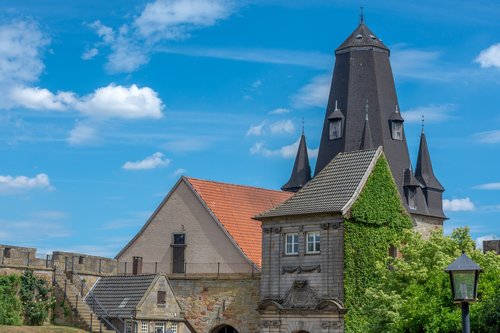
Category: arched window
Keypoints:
(224, 329)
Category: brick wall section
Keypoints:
(491, 245)
(85, 264)
(426, 224)
(208, 303)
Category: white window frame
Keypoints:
(335, 128)
(172, 327)
(292, 244)
(144, 326)
(160, 325)
(315, 242)
(129, 326)
(412, 194)
(397, 130)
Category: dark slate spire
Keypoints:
(363, 72)
(423, 171)
(432, 188)
(301, 172)
(366, 139)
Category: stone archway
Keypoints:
(225, 329)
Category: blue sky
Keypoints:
(106, 103)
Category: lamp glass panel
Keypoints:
(463, 283)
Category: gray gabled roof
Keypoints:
(423, 171)
(332, 190)
(362, 36)
(120, 295)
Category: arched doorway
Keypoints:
(224, 329)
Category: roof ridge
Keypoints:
(236, 185)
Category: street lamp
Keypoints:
(464, 275)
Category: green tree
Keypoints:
(35, 297)
(10, 305)
(414, 295)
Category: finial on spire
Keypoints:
(336, 108)
(302, 125)
(361, 14)
(366, 110)
(423, 123)
(397, 108)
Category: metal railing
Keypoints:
(217, 269)
(93, 302)
(95, 306)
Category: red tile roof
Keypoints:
(234, 206)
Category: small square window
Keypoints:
(313, 242)
(397, 130)
(179, 239)
(171, 328)
(161, 298)
(411, 199)
(292, 244)
(159, 327)
(80, 260)
(335, 129)
(7, 252)
(144, 327)
(128, 326)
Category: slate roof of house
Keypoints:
(235, 206)
(120, 295)
(332, 188)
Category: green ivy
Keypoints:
(35, 297)
(10, 305)
(375, 222)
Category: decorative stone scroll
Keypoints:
(271, 323)
(300, 269)
(301, 296)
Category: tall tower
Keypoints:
(363, 102)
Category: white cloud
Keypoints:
(313, 94)
(288, 151)
(488, 136)
(90, 53)
(178, 172)
(458, 205)
(432, 113)
(284, 126)
(480, 240)
(256, 130)
(488, 186)
(132, 44)
(21, 47)
(256, 84)
(173, 18)
(10, 184)
(41, 99)
(154, 161)
(489, 57)
(82, 134)
(309, 59)
(280, 111)
(415, 63)
(122, 102)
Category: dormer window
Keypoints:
(397, 130)
(411, 198)
(396, 122)
(336, 120)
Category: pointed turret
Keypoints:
(366, 139)
(301, 172)
(432, 188)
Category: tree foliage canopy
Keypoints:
(415, 294)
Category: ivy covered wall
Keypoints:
(375, 222)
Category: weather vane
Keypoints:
(361, 14)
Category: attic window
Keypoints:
(373, 37)
(397, 130)
(161, 298)
(124, 302)
(359, 36)
(335, 128)
(411, 198)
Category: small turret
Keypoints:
(301, 172)
(424, 173)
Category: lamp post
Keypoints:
(464, 275)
